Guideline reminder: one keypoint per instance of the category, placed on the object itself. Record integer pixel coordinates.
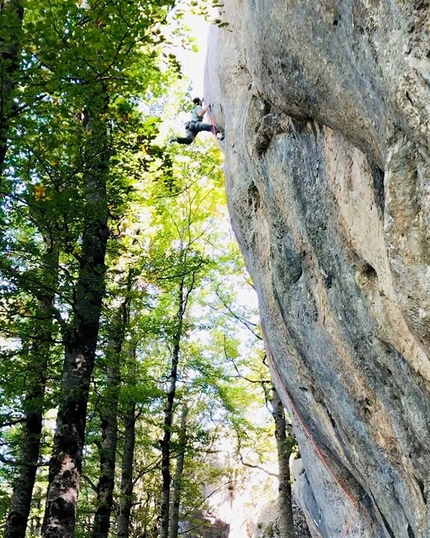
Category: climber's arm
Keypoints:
(202, 111)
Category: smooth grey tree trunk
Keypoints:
(283, 446)
(65, 466)
(31, 432)
(126, 499)
(109, 422)
(179, 471)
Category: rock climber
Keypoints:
(196, 124)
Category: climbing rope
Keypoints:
(305, 427)
(349, 522)
(213, 121)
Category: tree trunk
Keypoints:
(38, 360)
(168, 417)
(283, 445)
(65, 467)
(11, 16)
(109, 422)
(179, 471)
(126, 500)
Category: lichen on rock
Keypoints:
(326, 107)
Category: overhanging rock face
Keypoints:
(326, 106)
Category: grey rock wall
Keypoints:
(326, 106)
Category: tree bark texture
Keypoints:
(179, 471)
(283, 446)
(38, 360)
(65, 466)
(109, 422)
(11, 16)
(126, 499)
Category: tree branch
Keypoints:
(243, 321)
(256, 467)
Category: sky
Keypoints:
(194, 62)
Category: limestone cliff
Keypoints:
(326, 105)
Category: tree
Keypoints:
(284, 445)
(255, 372)
(83, 65)
(41, 332)
(81, 336)
(108, 410)
(179, 472)
(127, 483)
(172, 267)
(184, 267)
(188, 270)
(11, 16)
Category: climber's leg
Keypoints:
(189, 139)
(200, 126)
